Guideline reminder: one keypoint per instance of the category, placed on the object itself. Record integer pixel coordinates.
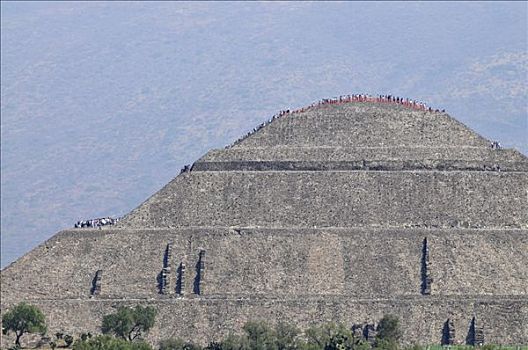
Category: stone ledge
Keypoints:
(253, 261)
(373, 165)
(337, 153)
(242, 230)
(258, 298)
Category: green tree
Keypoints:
(341, 339)
(129, 323)
(233, 342)
(389, 333)
(333, 336)
(105, 342)
(23, 318)
(260, 336)
(286, 336)
(318, 337)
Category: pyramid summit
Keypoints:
(345, 165)
(345, 211)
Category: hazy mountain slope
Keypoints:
(102, 103)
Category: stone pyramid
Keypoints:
(342, 212)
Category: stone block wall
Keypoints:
(249, 262)
(392, 159)
(338, 199)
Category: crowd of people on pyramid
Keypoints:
(185, 169)
(367, 98)
(495, 145)
(96, 222)
(388, 99)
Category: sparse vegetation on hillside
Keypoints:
(129, 325)
(106, 342)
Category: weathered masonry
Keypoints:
(343, 212)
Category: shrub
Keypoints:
(105, 342)
(389, 333)
(234, 342)
(260, 336)
(286, 336)
(333, 336)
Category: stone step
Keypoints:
(338, 198)
(376, 158)
(274, 263)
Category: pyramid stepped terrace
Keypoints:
(343, 211)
